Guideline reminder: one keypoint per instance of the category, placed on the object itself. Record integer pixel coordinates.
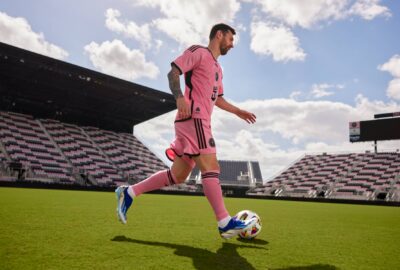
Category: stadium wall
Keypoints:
(238, 194)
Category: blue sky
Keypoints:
(306, 68)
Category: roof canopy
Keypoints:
(44, 87)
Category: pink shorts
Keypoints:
(193, 137)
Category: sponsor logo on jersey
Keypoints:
(214, 94)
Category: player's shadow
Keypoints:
(310, 267)
(227, 257)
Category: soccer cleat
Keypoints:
(235, 226)
(124, 201)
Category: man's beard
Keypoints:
(224, 50)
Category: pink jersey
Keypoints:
(203, 80)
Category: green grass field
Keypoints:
(55, 229)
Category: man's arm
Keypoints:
(225, 105)
(175, 87)
(174, 83)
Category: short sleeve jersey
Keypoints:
(203, 80)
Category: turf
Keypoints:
(55, 229)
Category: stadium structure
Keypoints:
(369, 176)
(236, 176)
(356, 176)
(65, 126)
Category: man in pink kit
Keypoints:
(194, 143)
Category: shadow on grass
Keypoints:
(225, 257)
(310, 267)
(255, 241)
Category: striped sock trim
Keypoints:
(171, 180)
(209, 175)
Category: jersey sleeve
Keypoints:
(221, 87)
(221, 90)
(188, 60)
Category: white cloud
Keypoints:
(276, 41)
(18, 32)
(305, 13)
(369, 9)
(393, 90)
(346, 147)
(310, 13)
(285, 130)
(271, 30)
(116, 59)
(184, 33)
(128, 29)
(295, 121)
(159, 43)
(157, 134)
(393, 67)
(189, 22)
(295, 94)
(321, 90)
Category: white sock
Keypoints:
(131, 192)
(223, 222)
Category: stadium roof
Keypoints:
(44, 87)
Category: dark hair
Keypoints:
(223, 27)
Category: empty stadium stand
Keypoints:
(47, 150)
(82, 152)
(126, 152)
(354, 176)
(65, 124)
(27, 144)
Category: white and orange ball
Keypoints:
(253, 231)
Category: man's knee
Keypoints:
(207, 163)
(180, 174)
(180, 170)
(210, 167)
(180, 177)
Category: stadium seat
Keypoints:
(26, 142)
(346, 176)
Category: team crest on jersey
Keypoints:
(211, 142)
(216, 76)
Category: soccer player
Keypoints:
(194, 143)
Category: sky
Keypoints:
(305, 68)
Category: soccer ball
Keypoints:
(252, 232)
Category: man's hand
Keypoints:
(183, 107)
(247, 116)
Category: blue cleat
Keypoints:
(235, 226)
(124, 201)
